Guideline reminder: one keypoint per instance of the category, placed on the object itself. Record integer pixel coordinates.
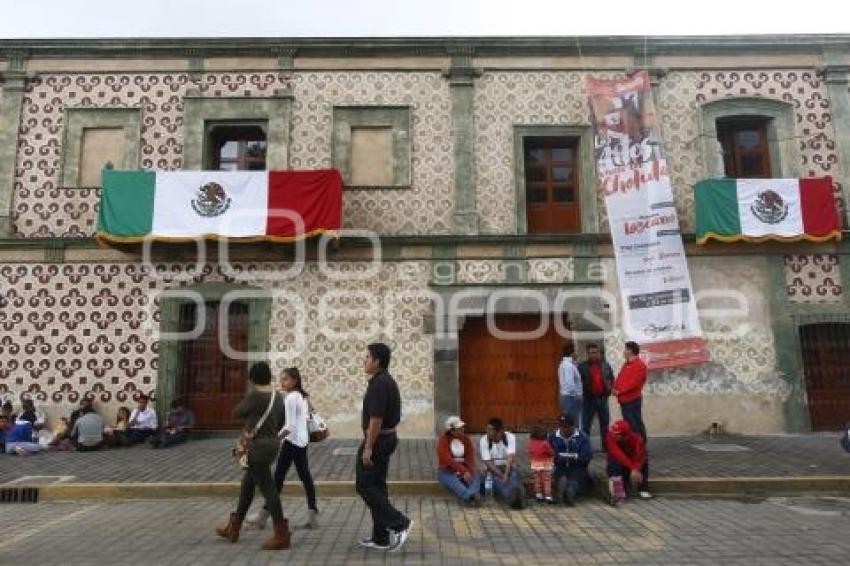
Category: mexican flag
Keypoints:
(280, 206)
(732, 210)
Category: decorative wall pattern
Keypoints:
(813, 278)
(78, 330)
(425, 208)
(480, 271)
(506, 99)
(680, 95)
(43, 208)
(551, 270)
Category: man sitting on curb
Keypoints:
(456, 460)
(572, 456)
(178, 425)
(627, 462)
(498, 452)
(142, 422)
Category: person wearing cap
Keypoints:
(627, 458)
(572, 457)
(456, 460)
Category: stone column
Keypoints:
(461, 77)
(14, 82)
(836, 78)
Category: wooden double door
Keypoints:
(515, 380)
(826, 355)
(211, 382)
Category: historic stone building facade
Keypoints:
(433, 138)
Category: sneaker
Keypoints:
(369, 543)
(549, 500)
(401, 537)
(644, 495)
(539, 497)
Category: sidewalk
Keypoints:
(675, 462)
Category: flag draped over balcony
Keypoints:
(756, 210)
(277, 206)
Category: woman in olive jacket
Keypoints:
(263, 453)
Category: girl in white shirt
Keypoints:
(295, 439)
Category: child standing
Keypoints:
(542, 456)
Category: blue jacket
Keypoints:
(20, 432)
(578, 443)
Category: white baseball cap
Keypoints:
(454, 422)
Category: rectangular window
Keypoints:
(371, 156)
(100, 147)
(552, 184)
(746, 152)
(236, 147)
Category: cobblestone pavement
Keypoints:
(207, 460)
(662, 531)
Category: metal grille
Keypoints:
(19, 495)
(826, 354)
(211, 382)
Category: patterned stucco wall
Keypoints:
(506, 99)
(43, 208)
(92, 329)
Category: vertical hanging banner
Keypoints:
(659, 309)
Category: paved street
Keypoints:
(662, 531)
(207, 460)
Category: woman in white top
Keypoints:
(295, 439)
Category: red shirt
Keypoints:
(629, 382)
(630, 453)
(539, 449)
(597, 382)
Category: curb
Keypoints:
(718, 487)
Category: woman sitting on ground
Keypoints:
(114, 436)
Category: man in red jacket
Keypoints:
(628, 387)
(627, 458)
(456, 460)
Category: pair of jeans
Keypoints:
(632, 413)
(503, 489)
(30, 447)
(571, 405)
(577, 479)
(165, 439)
(138, 435)
(290, 453)
(371, 482)
(596, 406)
(259, 474)
(615, 469)
(456, 485)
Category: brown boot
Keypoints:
(231, 531)
(281, 538)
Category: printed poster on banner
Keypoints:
(659, 309)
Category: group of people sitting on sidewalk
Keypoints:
(559, 459)
(85, 430)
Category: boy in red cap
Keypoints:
(627, 460)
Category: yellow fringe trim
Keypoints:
(834, 235)
(106, 238)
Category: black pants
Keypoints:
(165, 439)
(289, 454)
(633, 415)
(372, 487)
(259, 475)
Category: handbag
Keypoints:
(317, 428)
(246, 437)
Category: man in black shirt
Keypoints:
(381, 414)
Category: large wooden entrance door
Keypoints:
(515, 380)
(826, 351)
(212, 383)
